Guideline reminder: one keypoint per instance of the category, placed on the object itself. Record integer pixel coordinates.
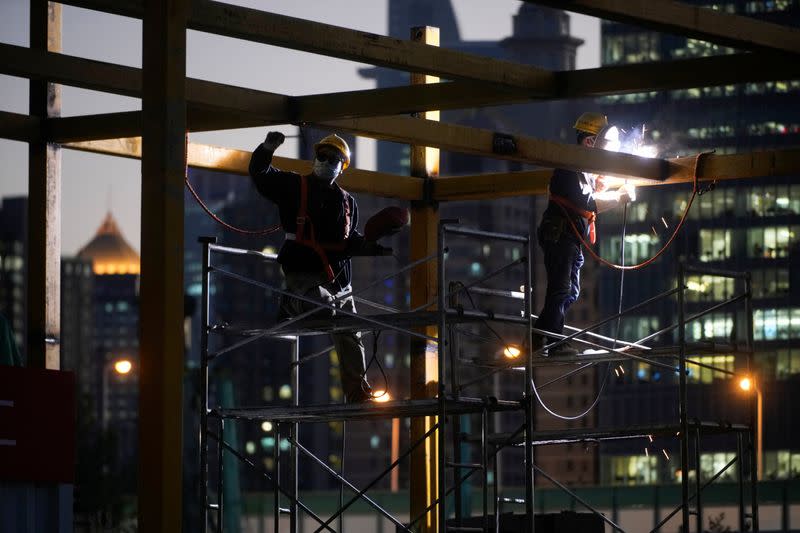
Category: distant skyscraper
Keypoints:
(100, 327)
(748, 225)
(13, 236)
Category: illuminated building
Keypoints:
(751, 225)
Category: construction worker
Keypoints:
(573, 197)
(320, 220)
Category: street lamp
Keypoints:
(749, 384)
(121, 367)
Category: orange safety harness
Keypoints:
(567, 205)
(303, 220)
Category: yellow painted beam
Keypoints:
(44, 203)
(236, 162)
(425, 474)
(489, 186)
(699, 22)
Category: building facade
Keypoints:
(747, 225)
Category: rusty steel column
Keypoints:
(161, 294)
(44, 204)
(424, 479)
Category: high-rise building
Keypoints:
(100, 328)
(750, 225)
(13, 238)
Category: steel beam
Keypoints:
(478, 141)
(343, 43)
(44, 203)
(246, 107)
(236, 162)
(425, 475)
(487, 186)
(19, 127)
(161, 293)
(691, 21)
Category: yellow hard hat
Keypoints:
(337, 143)
(591, 122)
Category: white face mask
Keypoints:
(326, 171)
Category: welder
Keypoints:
(320, 220)
(573, 196)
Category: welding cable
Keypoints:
(695, 192)
(265, 231)
(374, 358)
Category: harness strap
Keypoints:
(300, 235)
(566, 205)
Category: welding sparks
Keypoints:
(665, 223)
(665, 453)
(646, 452)
(616, 372)
(650, 437)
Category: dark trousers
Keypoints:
(349, 347)
(563, 260)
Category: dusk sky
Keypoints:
(93, 183)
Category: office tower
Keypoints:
(743, 225)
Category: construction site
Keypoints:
(662, 404)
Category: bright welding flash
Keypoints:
(630, 189)
(611, 140)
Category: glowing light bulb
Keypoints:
(511, 351)
(123, 366)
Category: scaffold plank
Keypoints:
(680, 18)
(236, 162)
(365, 411)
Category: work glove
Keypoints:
(274, 140)
(627, 193)
(385, 223)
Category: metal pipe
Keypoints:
(740, 479)
(756, 456)
(471, 284)
(228, 250)
(435, 502)
(442, 359)
(372, 483)
(321, 305)
(220, 493)
(349, 485)
(485, 234)
(699, 504)
(529, 395)
(485, 465)
(683, 399)
(456, 431)
(705, 485)
(203, 382)
(715, 272)
(251, 464)
(293, 433)
(276, 460)
(578, 499)
(692, 318)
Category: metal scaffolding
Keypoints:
(450, 402)
(173, 104)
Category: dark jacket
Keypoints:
(579, 190)
(327, 207)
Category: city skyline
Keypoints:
(94, 184)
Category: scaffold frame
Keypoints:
(450, 402)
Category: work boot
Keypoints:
(362, 394)
(564, 349)
(537, 342)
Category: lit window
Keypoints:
(285, 392)
(632, 470)
(374, 442)
(250, 447)
(712, 463)
(702, 374)
(715, 244)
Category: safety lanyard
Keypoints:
(567, 205)
(300, 235)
